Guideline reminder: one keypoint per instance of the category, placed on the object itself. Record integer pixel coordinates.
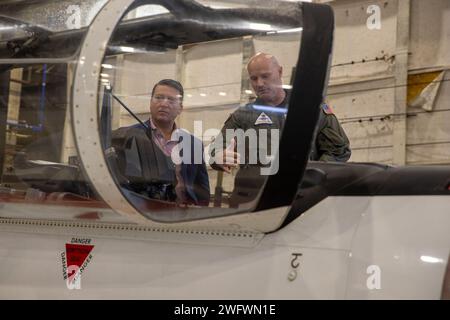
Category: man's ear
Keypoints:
(281, 71)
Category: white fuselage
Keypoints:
(343, 248)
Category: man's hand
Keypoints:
(228, 159)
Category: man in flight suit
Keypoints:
(268, 111)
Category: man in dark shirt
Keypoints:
(331, 142)
(268, 112)
(186, 181)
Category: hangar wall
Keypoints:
(363, 91)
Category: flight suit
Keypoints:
(330, 143)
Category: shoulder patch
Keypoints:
(327, 108)
(263, 119)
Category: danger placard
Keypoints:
(76, 254)
(75, 259)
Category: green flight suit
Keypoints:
(330, 144)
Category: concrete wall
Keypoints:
(429, 133)
(361, 91)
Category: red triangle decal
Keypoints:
(77, 254)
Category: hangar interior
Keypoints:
(388, 84)
(373, 228)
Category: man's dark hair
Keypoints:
(170, 83)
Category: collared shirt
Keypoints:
(167, 146)
(158, 137)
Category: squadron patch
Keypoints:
(327, 109)
(263, 119)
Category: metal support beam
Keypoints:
(117, 75)
(14, 99)
(68, 144)
(401, 80)
(180, 74)
(248, 50)
(4, 94)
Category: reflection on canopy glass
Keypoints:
(191, 113)
(170, 152)
(44, 29)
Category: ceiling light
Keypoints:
(429, 259)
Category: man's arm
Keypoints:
(200, 180)
(201, 185)
(222, 152)
(331, 141)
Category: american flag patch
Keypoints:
(327, 109)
